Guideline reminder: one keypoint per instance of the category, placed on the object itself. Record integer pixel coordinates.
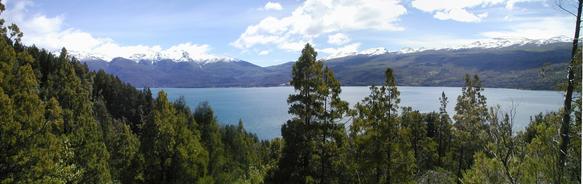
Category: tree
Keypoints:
(471, 113)
(333, 137)
(314, 138)
(122, 144)
(567, 110)
(539, 163)
(486, 171)
(382, 148)
(443, 134)
(31, 152)
(297, 162)
(72, 88)
(423, 146)
(502, 146)
(173, 154)
(501, 160)
(211, 139)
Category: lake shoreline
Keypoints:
(244, 87)
(264, 109)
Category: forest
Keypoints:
(61, 123)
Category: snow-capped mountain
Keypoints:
(154, 56)
(374, 51)
(500, 67)
(408, 50)
(368, 52)
(507, 42)
(487, 44)
(83, 56)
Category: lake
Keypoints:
(264, 109)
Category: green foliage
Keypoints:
(315, 138)
(489, 171)
(61, 123)
(539, 164)
(172, 152)
(470, 117)
(31, 148)
(424, 147)
(211, 139)
(382, 149)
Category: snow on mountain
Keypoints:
(170, 54)
(486, 43)
(374, 51)
(186, 54)
(83, 56)
(408, 50)
(507, 42)
(341, 54)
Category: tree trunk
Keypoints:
(459, 168)
(568, 98)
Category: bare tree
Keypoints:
(503, 145)
(569, 93)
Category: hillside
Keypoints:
(505, 66)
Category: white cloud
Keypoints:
(434, 42)
(458, 10)
(460, 15)
(350, 49)
(511, 3)
(519, 28)
(314, 18)
(535, 28)
(50, 33)
(263, 53)
(338, 39)
(272, 6)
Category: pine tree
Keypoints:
(173, 154)
(74, 93)
(297, 162)
(537, 166)
(382, 147)
(333, 139)
(315, 140)
(211, 139)
(470, 117)
(424, 147)
(443, 134)
(32, 153)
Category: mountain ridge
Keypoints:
(179, 55)
(510, 66)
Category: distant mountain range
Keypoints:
(507, 63)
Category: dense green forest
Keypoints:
(61, 123)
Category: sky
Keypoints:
(273, 32)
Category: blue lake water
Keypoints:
(264, 109)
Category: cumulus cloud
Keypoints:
(272, 6)
(314, 18)
(51, 33)
(338, 39)
(462, 10)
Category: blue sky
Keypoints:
(272, 32)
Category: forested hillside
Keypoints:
(61, 123)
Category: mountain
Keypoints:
(508, 63)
